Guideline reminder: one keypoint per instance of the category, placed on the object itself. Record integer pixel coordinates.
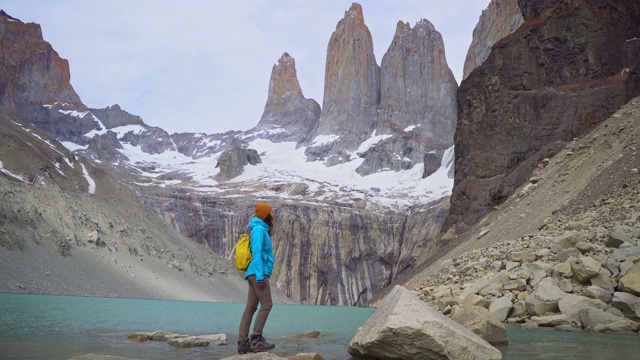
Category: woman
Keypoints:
(257, 275)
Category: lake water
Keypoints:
(59, 327)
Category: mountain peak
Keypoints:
(3, 13)
(354, 12)
(287, 111)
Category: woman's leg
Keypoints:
(249, 310)
(264, 297)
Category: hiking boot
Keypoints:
(244, 346)
(259, 344)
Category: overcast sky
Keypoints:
(204, 65)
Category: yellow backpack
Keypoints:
(243, 252)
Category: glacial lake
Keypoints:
(60, 327)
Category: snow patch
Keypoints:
(370, 142)
(92, 184)
(324, 140)
(7, 172)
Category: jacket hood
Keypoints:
(256, 221)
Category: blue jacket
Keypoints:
(261, 250)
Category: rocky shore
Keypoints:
(578, 272)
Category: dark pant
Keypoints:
(256, 295)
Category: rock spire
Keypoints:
(351, 88)
(287, 112)
(418, 100)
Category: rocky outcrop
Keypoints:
(418, 100)
(33, 78)
(351, 89)
(151, 140)
(565, 70)
(32, 72)
(288, 115)
(404, 327)
(105, 147)
(113, 116)
(232, 162)
(501, 18)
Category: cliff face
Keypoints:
(565, 70)
(31, 71)
(324, 255)
(501, 18)
(288, 115)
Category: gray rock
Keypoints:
(604, 281)
(630, 283)
(566, 254)
(571, 304)
(622, 254)
(585, 268)
(585, 247)
(485, 281)
(404, 327)
(183, 340)
(592, 317)
(565, 241)
(563, 269)
(517, 284)
(616, 326)
(565, 285)
(617, 238)
(544, 299)
(474, 300)
(550, 320)
(521, 256)
(596, 292)
(481, 322)
(501, 307)
(256, 356)
(626, 303)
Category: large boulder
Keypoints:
(404, 327)
(482, 323)
(599, 320)
(585, 269)
(544, 299)
(626, 303)
(233, 161)
(571, 304)
(630, 283)
(501, 307)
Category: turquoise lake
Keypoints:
(60, 327)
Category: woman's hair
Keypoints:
(269, 221)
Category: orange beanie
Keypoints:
(262, 210)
